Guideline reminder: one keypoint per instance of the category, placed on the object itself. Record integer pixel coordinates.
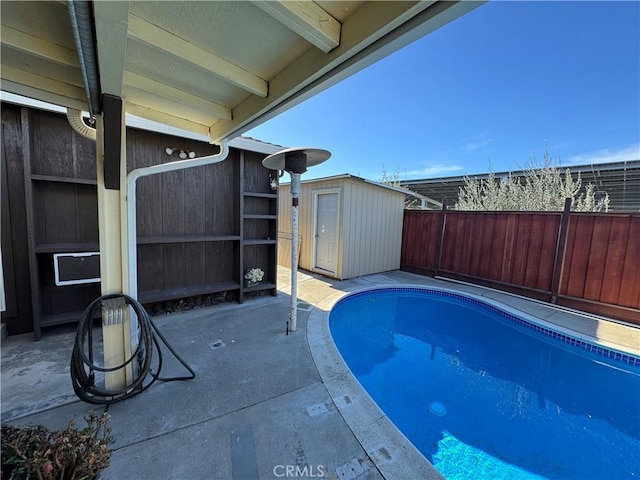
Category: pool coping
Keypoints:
(386, 445)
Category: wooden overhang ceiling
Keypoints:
(216, 68)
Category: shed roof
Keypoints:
(348, 176)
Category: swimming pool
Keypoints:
(484, 394)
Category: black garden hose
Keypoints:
(83, 368)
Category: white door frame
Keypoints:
(314, 220)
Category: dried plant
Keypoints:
(33, 452)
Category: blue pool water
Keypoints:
(486, 398)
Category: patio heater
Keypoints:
(295, 161)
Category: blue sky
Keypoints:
(488, 88)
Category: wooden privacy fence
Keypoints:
(587, 261)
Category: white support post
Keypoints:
(295, 196)
(113, 256)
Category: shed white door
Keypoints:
(326, 231)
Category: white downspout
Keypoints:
(74, 117)
(132, 177)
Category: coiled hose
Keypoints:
(83, 367)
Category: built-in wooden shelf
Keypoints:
(261, 195)
(173, 293)
(260, 241)
(60, 318)
(66, 317)
(260, 286)
(66, 247)
(186, 239)
(260, 217)
(52, 178)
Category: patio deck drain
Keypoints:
(352, 469)
(216, 344)
(317, 409)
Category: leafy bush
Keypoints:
(542, 188)
(33, 452)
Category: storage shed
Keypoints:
(348, 226)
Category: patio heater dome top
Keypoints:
(290, 158)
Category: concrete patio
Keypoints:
(264, 404)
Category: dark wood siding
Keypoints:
(15, 254)
(61, 213)
(190, 223)
(187, 221)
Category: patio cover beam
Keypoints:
(156, 37)
(307, 19)
(47, 89)
(38, 47)
(164, 92)
(111, 28)
(366, 37)
(167, 118)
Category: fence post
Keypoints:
(561, 249)
(443, 223)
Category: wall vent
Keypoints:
(76, 268)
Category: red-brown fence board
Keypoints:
(597, 258)
(580, 230)
(523, 237)
(428, 251)
(630, 284)
(451, 243)
(517, 252)
(500, 238)
(418, 247)
(533, 253)
(509, 248)
(548, 251)
(486, 245)
(614, 265)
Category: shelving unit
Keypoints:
(243, 236)
(259, 226)
(61, 214)
(199, 229)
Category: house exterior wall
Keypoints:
(198, 229)
(370, 226)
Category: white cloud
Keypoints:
(476, 142)
(632, 152)
(435, 170)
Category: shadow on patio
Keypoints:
(259, 403)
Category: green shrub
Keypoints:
(33, 452)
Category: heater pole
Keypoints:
(295, 161)
(295, 195)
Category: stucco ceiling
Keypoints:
(216, 68)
